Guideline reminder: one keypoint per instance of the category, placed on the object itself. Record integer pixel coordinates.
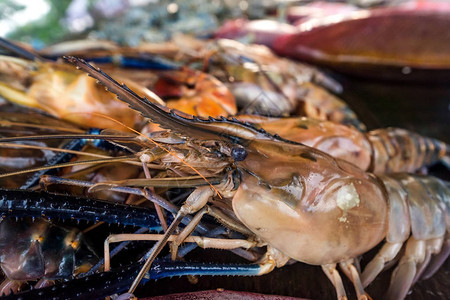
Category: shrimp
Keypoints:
(251, 77)
(292, 198)
(386, 150)
(63, 92)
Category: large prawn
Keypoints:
(384, 150)
(293, 198)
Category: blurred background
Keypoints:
(42, 22)
(129, 22)
(380, 95)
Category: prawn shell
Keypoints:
(314, 215)
(338, 140)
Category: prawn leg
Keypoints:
(404, 274)
(196, 200)
(218, 215)
(438, 260)
(336, 280)
(386, 254)
(203, 242)
(412, 265)
(145, 158)
(186, 232)
(352, 273)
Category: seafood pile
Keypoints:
(113, 180)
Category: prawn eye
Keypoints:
(238, 153)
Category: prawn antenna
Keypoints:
(158, 145)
